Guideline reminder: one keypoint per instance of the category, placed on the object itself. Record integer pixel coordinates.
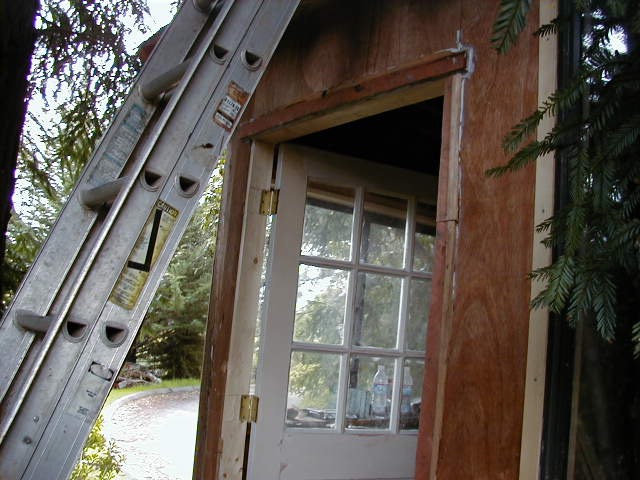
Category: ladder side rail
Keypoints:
(98, 352)
(46, 277)
(175, 133)
(16, 397)
(208, 173)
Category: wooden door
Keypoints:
(347, 296)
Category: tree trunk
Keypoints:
(17, 39)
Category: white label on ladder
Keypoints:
(147, 249)
(230, 106)
(120, 147)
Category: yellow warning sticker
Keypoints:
(144, 255)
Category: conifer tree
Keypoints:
(596, 273)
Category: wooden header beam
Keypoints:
(403, 86)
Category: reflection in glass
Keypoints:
(425, 238)
(328, 220)
(313, 390)
(320, 305)
(418, 314)
(377, 305)
(411, 393)
(383, 226)
(368, 403)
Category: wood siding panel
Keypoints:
(486, 354)
(334, 43)
(481, 334)
(223, 291)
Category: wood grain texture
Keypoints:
(486, 353)
(396, 88)
(475, 375)
(219, 322)
(334, 43)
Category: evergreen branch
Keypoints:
(510, 22)
(604, 304)
(625, 136)
(548, 29)
(559, 101)
(559, 278)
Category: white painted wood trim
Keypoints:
(532, 423)
(245, 314)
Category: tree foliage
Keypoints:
(100, 460)
(597, 134)
(81, 72)
(171, 338)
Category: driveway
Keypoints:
(156, 432)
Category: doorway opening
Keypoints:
(347, 299)
(409, 137)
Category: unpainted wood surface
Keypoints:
(482, 357)
(219, 322)
(333, 43)
(487, 344)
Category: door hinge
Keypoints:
(249, 408)
(269, 202)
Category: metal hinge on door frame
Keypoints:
(269, 201)
(249, 415)
(249, 408)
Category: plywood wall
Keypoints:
(478, 342)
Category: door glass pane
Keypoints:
(328, 221)
(320, 305)
(370, 392)
(313, 390)
(411, 393)
(425, 238)
(377, 305)
(383, 227)
(418, 314)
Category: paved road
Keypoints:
(156, 434)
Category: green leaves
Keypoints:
(511, 20)
(100, 459)
(172, 334)
(597, 137)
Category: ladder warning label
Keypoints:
(120, 147)
(230, 106)
(144, 255)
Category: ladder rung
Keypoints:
(102, 194)
(99, 270)
(32, 322)
(154, 88)
(206, 6)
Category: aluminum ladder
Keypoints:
(77, 312)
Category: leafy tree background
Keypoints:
(81, 72)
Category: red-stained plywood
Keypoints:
(486, 351)
(335, 42)
(474, 381)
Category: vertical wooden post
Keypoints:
(223, 291)
(531, 449)
(442, 286)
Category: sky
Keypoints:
(161, 13)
